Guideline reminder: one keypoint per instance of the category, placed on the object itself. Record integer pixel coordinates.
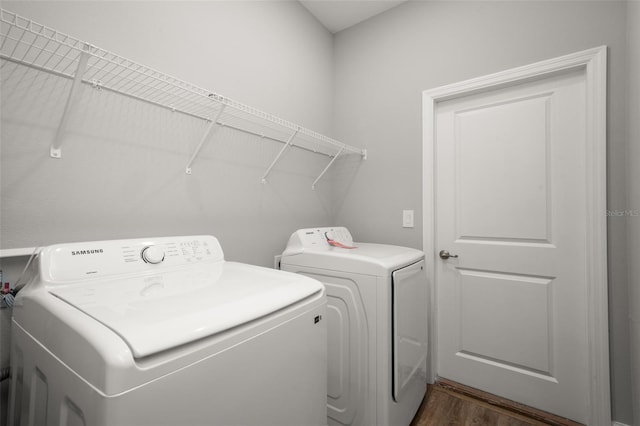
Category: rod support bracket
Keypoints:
(74, 95)
(335, 157)
(275, 160)
(55, 152)
(212, 126)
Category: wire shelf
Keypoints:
(28, 43)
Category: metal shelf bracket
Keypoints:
(282, 150)
(211, 127)
(313, 185)
(74, 95)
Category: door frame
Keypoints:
(594, 63)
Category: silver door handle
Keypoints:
(445, 254)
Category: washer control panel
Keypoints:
(69, 262)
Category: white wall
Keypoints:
(383, 65)
(122, 172)
(633, 221)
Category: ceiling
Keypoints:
(336, 15)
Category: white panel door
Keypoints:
(510, 202)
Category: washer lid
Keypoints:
(156, 312)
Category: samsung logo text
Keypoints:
(82, 252)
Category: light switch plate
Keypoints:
(407, 218)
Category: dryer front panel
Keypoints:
(351, 346)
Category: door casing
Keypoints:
(594, 63)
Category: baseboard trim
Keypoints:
(619, 424)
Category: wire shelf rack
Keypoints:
(28, 43)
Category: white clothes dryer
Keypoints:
(377, 324)
(164, 331)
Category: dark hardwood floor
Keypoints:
(447, 404)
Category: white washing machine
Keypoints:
(377, 324)
(164, 331)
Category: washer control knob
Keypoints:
(152, 254)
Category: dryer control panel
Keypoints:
(74, 261)
(319, 238)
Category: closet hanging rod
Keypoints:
(28, 43)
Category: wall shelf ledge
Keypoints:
(27, 43)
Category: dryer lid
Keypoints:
(311, 248)
(156, 312)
